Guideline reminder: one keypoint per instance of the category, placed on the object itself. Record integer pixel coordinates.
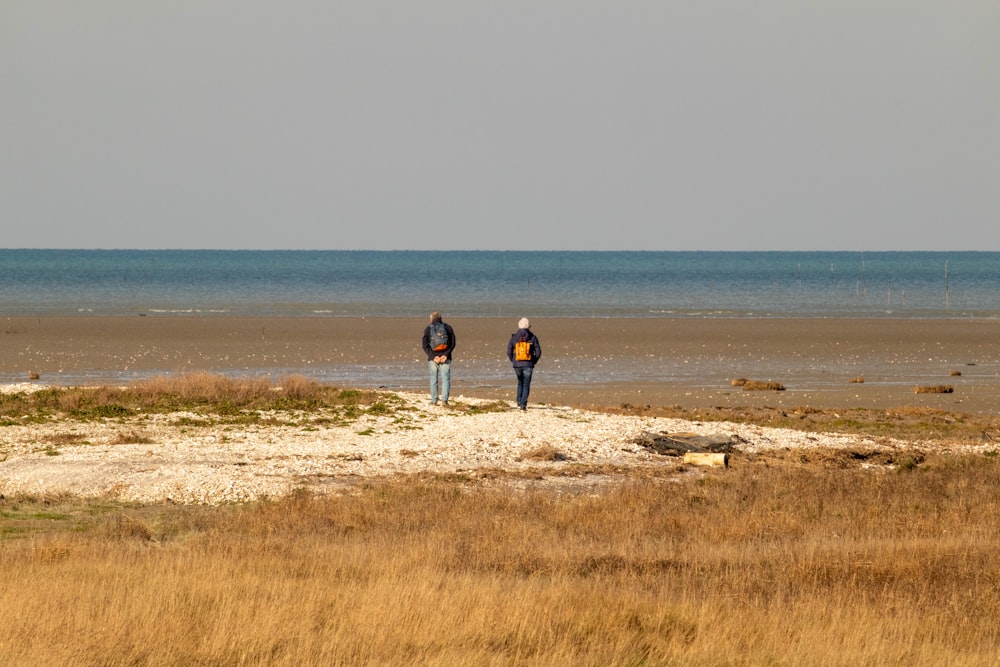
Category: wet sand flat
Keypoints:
(587, 361)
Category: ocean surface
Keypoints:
(500, 283)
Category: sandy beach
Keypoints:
(587, 361)
(587, 364)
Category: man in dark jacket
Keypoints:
(524, 351)
(438, 342)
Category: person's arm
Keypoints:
(538, 349)
(425, 343)
(510, 349)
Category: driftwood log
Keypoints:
(679, 444)
(711, 459)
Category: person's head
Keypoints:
(435, 316)
(523, 323)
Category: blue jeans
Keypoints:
(444, 370)
(523, 385)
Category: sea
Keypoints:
(609, 284)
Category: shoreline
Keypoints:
(587, 361)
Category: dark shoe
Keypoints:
(444, 403)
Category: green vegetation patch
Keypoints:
(105, 411)
(231, 400)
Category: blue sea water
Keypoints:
(487, 283)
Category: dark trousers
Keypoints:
(523, 384)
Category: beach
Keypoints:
(588, 405)
(685, 362)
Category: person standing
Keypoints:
(524, 351)
(438, 342)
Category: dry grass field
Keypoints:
(770, 562)
(785, 558)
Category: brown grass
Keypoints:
(131, 437)
(770, 562)
(65, 438)
(544, 453)
(943, 427)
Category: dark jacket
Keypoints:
(536, 348)
(426, 343)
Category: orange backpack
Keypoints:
(522, 350)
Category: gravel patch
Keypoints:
(186, 458)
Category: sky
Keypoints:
(517, 125)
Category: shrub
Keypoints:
(935, 389)
(758, 385)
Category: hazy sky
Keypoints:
(465, 124)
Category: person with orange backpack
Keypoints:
(524, 351)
